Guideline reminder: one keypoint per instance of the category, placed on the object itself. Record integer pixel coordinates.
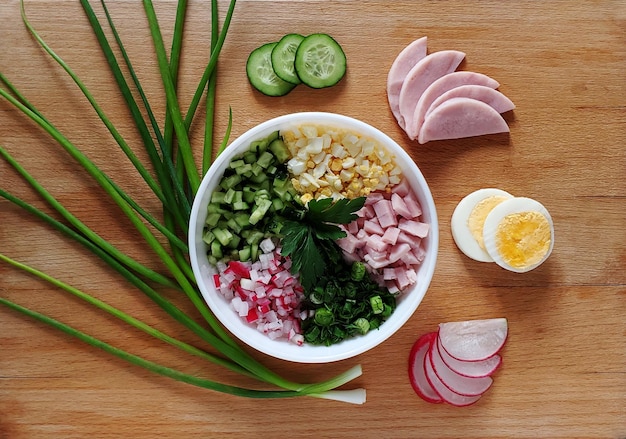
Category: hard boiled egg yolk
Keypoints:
(523, 239)
(476, 219)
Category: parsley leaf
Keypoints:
(310, 242)
(338, 212)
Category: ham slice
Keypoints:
(400, 67)
(489, 96)
(425, 72)
(440, 86)
(461, 117)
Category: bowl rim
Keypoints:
(283, 349)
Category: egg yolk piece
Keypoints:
(476, 219)
(523, 239)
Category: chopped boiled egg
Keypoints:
(519, 234)
(331, 162)
(468, 220)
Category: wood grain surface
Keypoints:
(564, 371)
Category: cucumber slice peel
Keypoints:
(283, 58)
(261, 74)
(320, 61)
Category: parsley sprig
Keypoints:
(310, 241)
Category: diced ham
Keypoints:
(385, 214)
(410, 259)
(403, 188)
(399, 206)
(457, 118)
(489, 96)
(372, 226)
(398, 251)
(373, 198)
(349, 244)
(392, 253)
(376, 243)
(391, 235)
(413, 205)
(353, 227)
(400, 67)
(424, 73)
(415, 228)
(440, 86)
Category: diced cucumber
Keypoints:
(255, 189)
(266, 159)
(280, 150)
(272, 136)
(231, 181)
(216, 250)
(212, 219)
(242, 219)
(260, 210)
(240, 205)
(283, 57)
(244, 253)
(217, 197)
(261, 74)
(320, 61)
(223, 236)
(208, 237)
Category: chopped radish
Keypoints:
(457, 383)
(473, 340)
(473, 369)
(264, 293)
(417, 374)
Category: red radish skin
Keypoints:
(417, 375)
(472, 369)
(473, 340)
(444, 393)
(457, 383)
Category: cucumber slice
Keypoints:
(283, 57)
(320, 61)
(262, 76)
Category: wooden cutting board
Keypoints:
(564, 373)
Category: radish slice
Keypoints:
(444, 392)
(417, 375)
(473, 340)
(472, 369)
(457, 383)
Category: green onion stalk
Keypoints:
(173, 177)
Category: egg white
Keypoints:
(495, 217)
(459, 223)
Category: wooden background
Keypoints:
(564, 372)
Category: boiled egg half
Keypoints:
(468, 221)
(491, 225)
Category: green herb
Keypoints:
(345, 306)
(176, 178)
(310, 238)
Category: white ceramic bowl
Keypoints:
(407, 303)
